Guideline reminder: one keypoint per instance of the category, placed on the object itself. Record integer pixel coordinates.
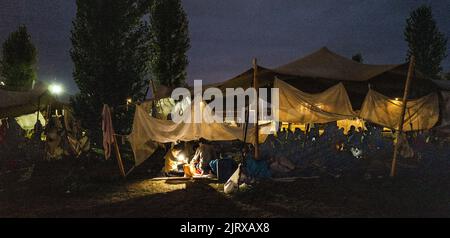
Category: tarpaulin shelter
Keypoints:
(164, 106)
(296, 106)
(321, 87)
(334, 105)
(28, 121)
(421, 114)
(323, 69)
(148, 131)
(18, 103)
(443, 126)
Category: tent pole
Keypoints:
(154, 95)
(38, 109)
(306, 135)
(402, 115)
(246, 126)
(153, 87)
(410, 122)
(256, 86)
(119, 157)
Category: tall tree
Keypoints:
(110, 55)
(18, 64)
(169, 42)
(358, 58)
(425, 41)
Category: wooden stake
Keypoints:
(255, 85)
(38, 108)
(402, 116)
(154, 97)
(306, 135)
(119, 157)
(245, 128)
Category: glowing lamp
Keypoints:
(56, 89)
(182, 158)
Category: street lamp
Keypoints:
(56, 89)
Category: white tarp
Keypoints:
(17, 103)
(28, 121)
(148, 131)
(296, 106)
(444, 123)
(421, 114)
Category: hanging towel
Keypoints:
(108, 131)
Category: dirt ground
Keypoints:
(415, 194)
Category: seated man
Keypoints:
(174, 161)
(204, 154)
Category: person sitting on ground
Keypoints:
(299, 135)
(351, 136)
(38, 128)
(268, 147)
(204, 154)
(340, 139)
(290, 135)
(53, 142)
(174, 161)
(314, 135)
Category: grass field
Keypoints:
(414, 194)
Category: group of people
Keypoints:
(291, 152)
(53, 138)
(333, 150)
(328, 146)
(193, 159)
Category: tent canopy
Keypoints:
(323, 69)
(333, 105)
(18, 103)
(148, 131)
(299, 107)
(442, 84)
(421, 114)
(329, 65)
(295, 106)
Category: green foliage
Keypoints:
(18, 64)
(110, 55)
(425, 42)
(169, 42)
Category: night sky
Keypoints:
(227, 34)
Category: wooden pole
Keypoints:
(246, 126)
(119, 157)
(255, 85)
(153, 88)
(402, 115)
(38, 108)
(154, 96)
(306, 135)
